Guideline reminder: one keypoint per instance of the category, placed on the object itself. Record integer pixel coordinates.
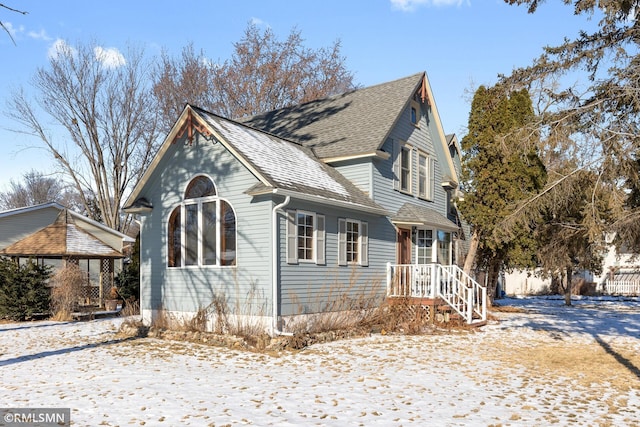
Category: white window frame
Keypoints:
(199, 202)
(305, 214)
(426, 174)
(318, 249)
(362, 242)
(432, 238)
(405, 148)
(353, 241)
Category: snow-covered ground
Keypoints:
(492, 376)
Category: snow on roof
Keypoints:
(288, 164)
(82, 243)
(60, 239)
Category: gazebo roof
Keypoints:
(62, 239)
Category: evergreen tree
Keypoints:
(588, 90)
(499, 172)
(565, 246)
(128, 281)
(23, 290)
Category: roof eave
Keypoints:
(419, 223)
(333, 202)
(378, 154)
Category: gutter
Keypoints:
(331, 202)
(275, 266)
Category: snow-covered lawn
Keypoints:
(549, 365)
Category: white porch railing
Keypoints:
(466, 296)
(620, 287)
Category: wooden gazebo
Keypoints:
(65, 240)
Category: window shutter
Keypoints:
(432, 183)
(320, 239)
(364, 244)
(413, 182)
(292, 238)
(396, 164)
(342, 242)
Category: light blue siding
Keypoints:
(309, 288)
(190, 288)
(422, 138)
(357, 171)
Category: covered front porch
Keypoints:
(436, 282)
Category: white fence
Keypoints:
(620, 287)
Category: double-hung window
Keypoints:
(425, 176)
(405, 168)
(353, 242)
(402, 166)
(305, 237)
(202, 229)
(424, 246)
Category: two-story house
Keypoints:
(286, 211)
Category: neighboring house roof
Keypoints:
(63, 238)
(629, 275)
(352, 124)
(19, 211)
(281, 166)
(420, 215)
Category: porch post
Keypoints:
(389, 279)
(435, 279)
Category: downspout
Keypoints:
(275, 266)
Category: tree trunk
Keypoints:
(492, 281)
(567, 286)
(470, 260)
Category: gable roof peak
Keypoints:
(348, 124)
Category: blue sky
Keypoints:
(459, 43)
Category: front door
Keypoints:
(404, 246)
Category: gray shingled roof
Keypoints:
(286, 165)
(420, 215)
(349, 124)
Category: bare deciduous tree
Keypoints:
(2, 24)
(36, 188)
(103, 102)
(263, 74)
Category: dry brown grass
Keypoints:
(588, 363)
(131, 308)
(507, 309)
(339, 307)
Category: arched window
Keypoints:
(202, 229)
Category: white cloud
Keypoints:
(60, 47)
(109, 57)
(40, 35)
(259, 22)
(411, 5)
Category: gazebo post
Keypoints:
(106, 276)
(100, 287)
